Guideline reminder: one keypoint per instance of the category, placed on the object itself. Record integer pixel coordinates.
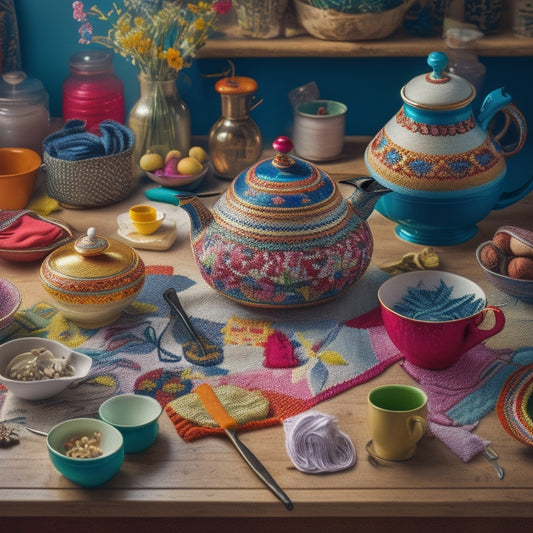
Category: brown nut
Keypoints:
(490, 256)
(520, 268)
(502, 240)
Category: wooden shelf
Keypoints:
(232, 45)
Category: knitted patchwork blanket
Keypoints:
(296, 358)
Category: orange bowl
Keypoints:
(18, 171)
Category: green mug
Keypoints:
(397, 420)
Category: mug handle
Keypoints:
(475, 335)
(417, 427)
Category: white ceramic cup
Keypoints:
(319, 128)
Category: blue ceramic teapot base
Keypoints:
(438, 237)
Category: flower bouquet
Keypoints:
(160, 37)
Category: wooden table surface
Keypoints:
(206, 482)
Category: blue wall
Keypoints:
(369, 86)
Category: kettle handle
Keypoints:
(499, 100)
(512, 115)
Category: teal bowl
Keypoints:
(92, 471)
(135, 417)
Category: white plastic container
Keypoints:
(24, 113)
(319, 128)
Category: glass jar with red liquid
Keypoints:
(92, 92)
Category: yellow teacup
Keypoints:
(397, 420)
(143, 213)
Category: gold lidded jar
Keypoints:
(93, 279)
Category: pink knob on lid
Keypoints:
(283, 144)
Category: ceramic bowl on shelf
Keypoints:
(135, 416)
(86, 471)
(333, 25)
(185, 182)
(18, 172)
(354, 6)
(42, 388)
(9, 303)
(93, 279)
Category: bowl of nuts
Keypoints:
(87, 451)
(507, 262)
(35, 369)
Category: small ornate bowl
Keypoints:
(357, 26)
(93, 279)
(9, 303)
(29, 255)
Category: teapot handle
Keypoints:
(512, 115)
(499, 100)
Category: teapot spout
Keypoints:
(367, 192)
(199, 215)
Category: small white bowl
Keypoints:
(45, 388)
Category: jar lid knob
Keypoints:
(15, 77)
(91, 244)
(283, 145)
(438, 61)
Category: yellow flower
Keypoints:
(158, 39)
(174, 59)
(144, 46)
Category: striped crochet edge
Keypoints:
(512, 405)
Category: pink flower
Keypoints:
(222, 6)
(77, 11)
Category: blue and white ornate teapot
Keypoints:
(445, 167)
(283, 235)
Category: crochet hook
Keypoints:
(170, 196)
(218, 413)
(172, 299)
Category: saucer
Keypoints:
(374, 458)
(161, 239)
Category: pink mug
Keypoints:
(434, 317)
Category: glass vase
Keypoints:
(160, 119)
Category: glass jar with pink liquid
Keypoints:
(92, 92)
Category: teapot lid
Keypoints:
(438, 90)
(283, 181)
(92, 258)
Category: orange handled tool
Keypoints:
(219, 414)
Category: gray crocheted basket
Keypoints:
(92, 182)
